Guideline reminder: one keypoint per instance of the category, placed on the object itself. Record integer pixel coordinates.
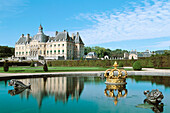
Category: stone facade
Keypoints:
(41, 46)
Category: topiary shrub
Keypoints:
(45, 67)
(72, 58)
(32, 64)
(6, 67)
(120, 64)
(137, 66)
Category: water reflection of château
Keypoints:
(59, 87)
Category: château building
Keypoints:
(133, 54)
(41, 46)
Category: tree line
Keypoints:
(101, 51)
(6, 51)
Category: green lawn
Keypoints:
(27, 69)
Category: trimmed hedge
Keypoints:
(157, 61)
(120, 64)
(89, 63)
(16, 63)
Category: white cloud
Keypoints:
(49, 33)
(151, 20)
(12, 7)
(164, 44)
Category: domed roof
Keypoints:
(40, 36)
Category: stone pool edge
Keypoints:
(86, 73)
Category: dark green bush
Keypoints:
(6, 67)
(72, 58)
(120, 64)
(137, 66)
(45, 67)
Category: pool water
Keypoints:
(83, 95)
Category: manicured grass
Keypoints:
(27, 69)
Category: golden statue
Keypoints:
(111, 78)
(115, 83)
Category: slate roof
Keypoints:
(78, 40)
(22, 40)
(61, 36)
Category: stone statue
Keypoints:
(18, 84)
(17, 91)
(154, 96)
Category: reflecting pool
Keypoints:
(83, 95)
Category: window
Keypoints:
(62, 51)
(63, 45)
(50, 45)
(40, 45)
(54, 45)
(26, 52)
(17, 53)
(51, 52)
(40, 52)
(22, 53)
(59, 51)
(58, 45)
(54, 51)
(47, 52)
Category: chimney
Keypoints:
(72, 36)
(28, 35)
(56, 33)
(22, 35)
(64, 30)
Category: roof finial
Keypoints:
(40, 29)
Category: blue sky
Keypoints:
(124, 24)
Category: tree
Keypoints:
(101, 52)
(87, 50)
(6, 67)
(6, 51)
